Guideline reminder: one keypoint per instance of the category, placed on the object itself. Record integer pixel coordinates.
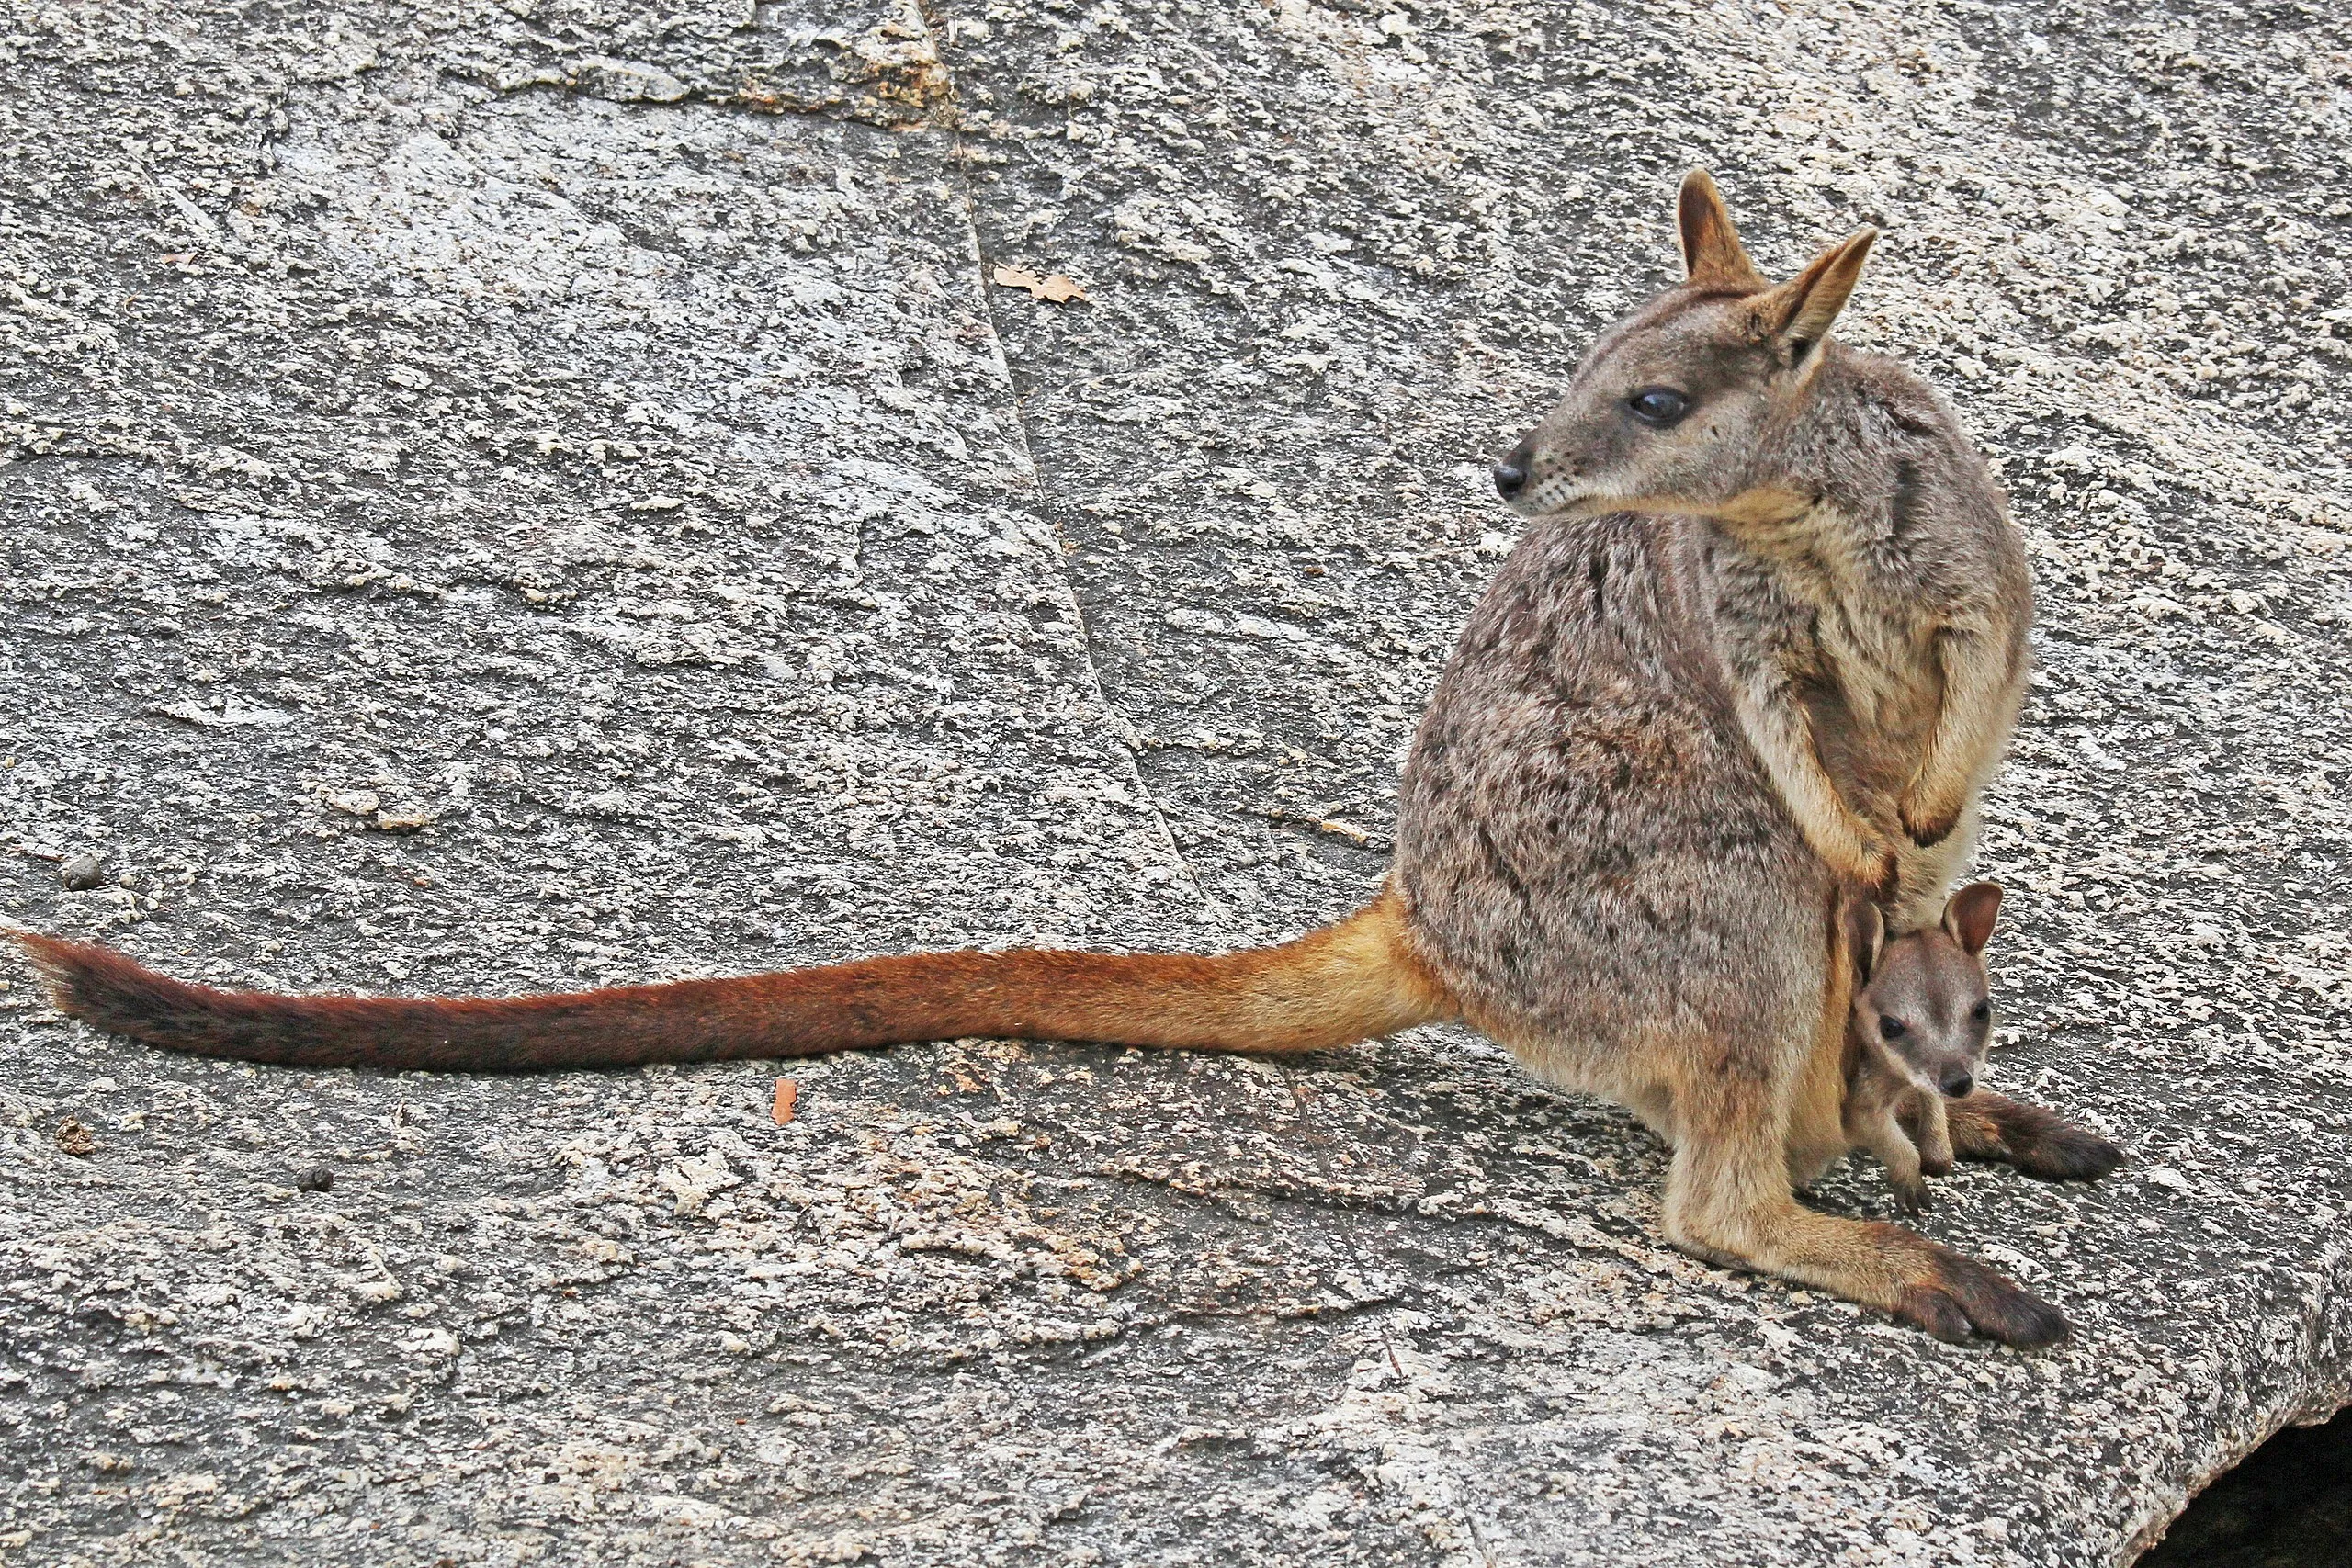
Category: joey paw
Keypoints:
(1913, 1198)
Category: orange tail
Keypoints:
(1346, 982)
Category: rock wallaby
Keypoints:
(1917, 1035)
(1867, 591)
(1753, 576)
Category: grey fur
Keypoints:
(1931, 983)
(1867, 593)
(1738, 660)
(1591, 854)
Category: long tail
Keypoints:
(1346, 982)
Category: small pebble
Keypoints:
(76, 1139)
(81, 873)
(318, 1178)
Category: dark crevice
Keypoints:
(2286, 1504)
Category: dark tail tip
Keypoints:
(62, 965)
(103, 987)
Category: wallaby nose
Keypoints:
(1510, 474)
(1958, 1081)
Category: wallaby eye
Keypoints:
(1890, 1029)
(1658, 406)
(1981, 1012)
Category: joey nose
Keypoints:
(1510, 473)
(1958, 1081)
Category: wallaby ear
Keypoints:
(1712, 253)
(1865, 934)
(1799, 311)
(1970, 915)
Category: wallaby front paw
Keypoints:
(1881, 876)
(1924, 828)
(1912, 1198)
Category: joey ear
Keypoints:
(1712, 253)
(1799, 311)
(1865, 934)
(1970, 915)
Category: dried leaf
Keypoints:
(1054, 286)
(787, 1096)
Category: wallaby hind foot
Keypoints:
(2041, 1144)
(1729, 1199)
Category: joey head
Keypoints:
(1921, 1021)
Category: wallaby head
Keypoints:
(1663, 415)
(1924, 1002)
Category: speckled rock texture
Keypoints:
(537, 494)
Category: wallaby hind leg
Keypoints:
(1728, 1200)
(1987, 1126)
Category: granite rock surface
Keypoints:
(501, 496)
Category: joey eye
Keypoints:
(1658, 406)
(1981, 1012)
(1892, 1029)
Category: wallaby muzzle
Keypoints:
(1511, 469)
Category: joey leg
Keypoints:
(1883, 1135)
(1987, 1126)
(1728, 1200)
(1911, 1195)
(1935, 1136)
